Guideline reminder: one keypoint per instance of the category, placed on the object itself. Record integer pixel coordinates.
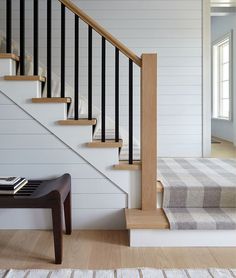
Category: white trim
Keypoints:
(206, 78)
(182, 238)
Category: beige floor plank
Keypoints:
(102, 250)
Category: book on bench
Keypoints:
(11, 185)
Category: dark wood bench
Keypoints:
(53, 194)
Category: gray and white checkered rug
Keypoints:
(199, 193)
(120, 273)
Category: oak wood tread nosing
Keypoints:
(126, 166)
(106, 144)
(146, 219)
(77, 122)
(25, 78)
(52, 100)
(9, 56)
(159, 187)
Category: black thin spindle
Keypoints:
(49, 48)
(117, 95)
(76, 89)
(22, 37)
(35, 37)
(63, 32)
(130, 111)
(8, 26)
(103, 95)
(90, 72)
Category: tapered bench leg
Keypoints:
(67, 212)
(57, 232)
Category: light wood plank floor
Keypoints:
(103, 250)
(223, 150)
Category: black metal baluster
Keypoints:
(90, 72)
(22, 37)
(49, 48)
(8, 26)
(130, 111)
(117, 95)
(76, 89)
(103, 96)
(63, 32)
(35, 37)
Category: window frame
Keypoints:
(216, 71)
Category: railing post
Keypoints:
(149, 130)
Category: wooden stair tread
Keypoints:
(107, 144)
(145, 219)
(124, 165)
(159, 187)
(25, 78)
(78, 122)
(52, 100)
(9, 56)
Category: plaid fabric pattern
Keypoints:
(198, 182)
(201, 218)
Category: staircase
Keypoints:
(176, 210)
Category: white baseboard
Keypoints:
(184, 238)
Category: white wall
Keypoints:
(220, 26)
(172, 28)
(28, 149)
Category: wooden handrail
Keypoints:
(102, 31)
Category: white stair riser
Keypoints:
(182, 238)
(7, 67)
(159, 199)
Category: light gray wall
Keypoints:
(222, 25)
(27, 149)
(172, 28)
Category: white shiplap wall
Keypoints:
(172, 28)
(28, 149)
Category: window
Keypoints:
(222, 99)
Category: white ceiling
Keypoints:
(223, 3)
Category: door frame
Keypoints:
(206, 78)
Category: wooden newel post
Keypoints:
(149, 130)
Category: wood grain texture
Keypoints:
(78, 122)
(102, 250)
(124, 165)
(25, 78)
(103, 32)
(149, 130)
(141, 219)
(52, 100)
(107, 144)
(9, 56)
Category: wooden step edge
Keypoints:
(77, 122)
(145, 219)
(25, 78)
(9, 56)
(159, 187)
(52, 100)
(126, 166)
(107, 144)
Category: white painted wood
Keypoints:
(93, 186)
(182, 238)
(7, 67)
(27, 126)
(99, 201)
(102, 219)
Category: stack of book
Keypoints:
(10, 185)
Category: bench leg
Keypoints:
(67, 212)
(57, 232)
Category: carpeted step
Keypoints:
(198, 182)
(201, 218)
